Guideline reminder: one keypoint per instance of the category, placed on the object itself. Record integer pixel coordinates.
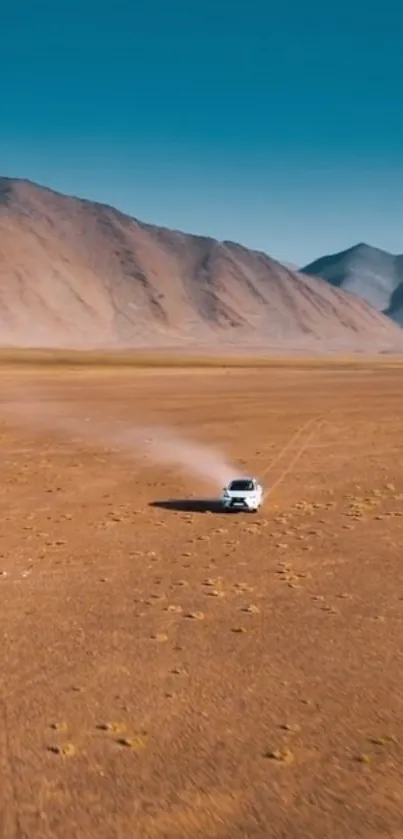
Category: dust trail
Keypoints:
(161, 445)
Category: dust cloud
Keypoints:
(160, 445)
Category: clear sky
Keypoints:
(279, 129)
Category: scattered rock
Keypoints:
(243, 587)
(291, 728)
(281, 756)
(65, 750)
(364, 758)
(59, 726)
(112, 727)
(131, 742)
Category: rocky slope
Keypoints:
(374, 275)
(78, 274)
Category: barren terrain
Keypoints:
(75, 273)
(168, 671)
(370, 273)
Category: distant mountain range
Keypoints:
(74, 273)
(372, 274)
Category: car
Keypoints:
(242, 494)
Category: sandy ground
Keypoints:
(169, 673)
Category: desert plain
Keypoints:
(172, 671)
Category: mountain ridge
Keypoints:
(371, 273)
(78, 273)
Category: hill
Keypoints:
(74, 273)
(373, 274)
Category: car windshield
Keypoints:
(241, 486)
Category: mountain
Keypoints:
(74, 273)
(374, 275)
(292, 266)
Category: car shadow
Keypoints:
(189, 505)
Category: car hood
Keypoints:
(240, 493)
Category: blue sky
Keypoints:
(279, 129)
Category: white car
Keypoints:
(242, 494)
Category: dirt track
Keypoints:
(297, 647)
